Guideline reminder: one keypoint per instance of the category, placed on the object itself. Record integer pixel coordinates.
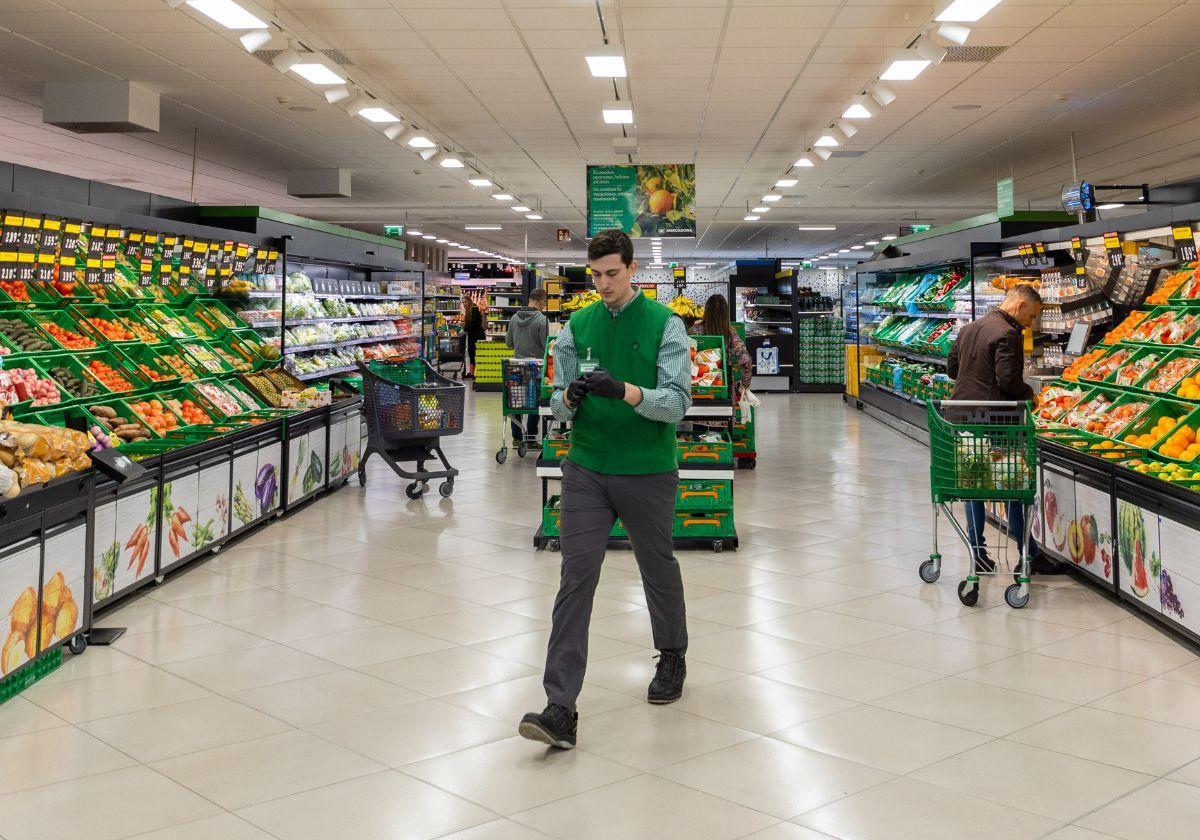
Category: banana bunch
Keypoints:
(578, 302)
(685, 307)
(239, 287)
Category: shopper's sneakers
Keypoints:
(556, 726)
(667, 685)
(984, 564)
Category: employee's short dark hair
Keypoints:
(1023, 291)
(611, 241)
(537, 296)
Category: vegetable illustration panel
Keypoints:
(19, 599)
(1058, 511)
(1089, 537)
(136, 534)
(1179, 578)
(106, 551)
(337, 446)
(179, 502)
(212, 520)
(63, 584)
(298, 465)
(1139, 551)
(1037, 530)
(306, 464)
(267, 479)
(643, 200)
(243, 508)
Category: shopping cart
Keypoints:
(522, 387)
(980, 452)
(409, 408)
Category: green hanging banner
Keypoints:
(643, 200)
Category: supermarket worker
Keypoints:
(622, 374)
(987, 362)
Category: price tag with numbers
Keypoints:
(72, 233)
(26, 263)
(1185, 243)
(10, 238)
(31, 231)
(133, 244)
(1112, 245)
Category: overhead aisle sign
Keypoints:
(643, 200)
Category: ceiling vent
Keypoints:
(106, 107)
(846, 153)
(336, 56)
(972, 54)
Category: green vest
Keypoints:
(608, 436)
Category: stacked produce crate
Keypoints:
(489, 368)
(820, 357)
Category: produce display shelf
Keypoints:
(946, 315)
(353, 319)
(769, 323)
(268, 294)
(920, 357)
(807, 312)
(330, 345)
(317, 374)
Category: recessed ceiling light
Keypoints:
(443, 241)
(228, 14)
(804, 161)
(502, 196)
(872, 242)
(772, 197)
(617, 113)
(520, 208)
(750, 218)
(817, 227)
(449, 160)
(905, 66)
(843, 250)
(482, 227)
(455, 245)
(415, 138)
(376, 114)
(862, 107)
(429, 236)
(761, 210)
(827, 139)
(967, 11)
(479, 182)
(889, 237)
(606, 63)
(786, 182)
(415, 233)
(319, 74)
(533, 217)
(1112, 206)
(857, 247)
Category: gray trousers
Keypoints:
(591, 503)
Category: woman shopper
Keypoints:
(716, 322)
(474, 328)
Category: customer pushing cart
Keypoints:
(982, 451)
(522, 388)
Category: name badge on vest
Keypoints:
(588, 365)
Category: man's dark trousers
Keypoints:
(591, 503)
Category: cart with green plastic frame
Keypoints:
(979, 452)
(521, 393)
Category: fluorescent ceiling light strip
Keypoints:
(804, 161)
(533, 217)
(228, 14)
(502, 197)
(617, 113)
(479, 182)
(482, 227)
(520, 208)
(967, 11)
(761, 210)
(905, 66)
(319, 74)
(750, 218)
(606, 63)
(889, 237)
(817, 227)
(772, 197)
(376, 114)
(783, 183)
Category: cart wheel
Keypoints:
(552, 545)
(931, 570)
(1015, 598)
(751, 463)
(522, 450)
(446, 488)
(78, 644)
(502, 455)
(415, 490)
(969, 597)
(718, 546)
(362, 477)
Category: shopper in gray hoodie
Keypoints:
(529, 328)
(527, 333)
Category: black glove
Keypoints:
(601, 383)
(576, 391)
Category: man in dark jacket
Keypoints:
(527, 333)
(987, 362)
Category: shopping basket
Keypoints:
(409, 408)
(982, 452)
(521, 391)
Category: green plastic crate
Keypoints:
(145, 358)
(691, 449)
(704, 495)
(218, 317)
(62, 318)
(38, 297)
(703, 523)
(204, 359)
(555, 449)
(551, 521)
(161, 319)
(713, 392)
(18, 681)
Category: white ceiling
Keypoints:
(738, 86)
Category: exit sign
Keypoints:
(920, 228)
(393, 231)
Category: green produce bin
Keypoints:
(555, 449)
(551, 521)
(37, 297)
(712, 392)
(21, 336)
(704, 495)
(692, 449)
(218, 317)
(161, 319)
(703, 523)
(62, 318)
(83, 311)
(204, 358)
(146, 360)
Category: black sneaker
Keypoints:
(556, 726)
(667, 685)
(984, 562)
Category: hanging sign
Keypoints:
(69, 246)
(679, 278)
(31, 229)
(1077, 254)
(93, 271)
(112, 244)
(1028, 260)
(11, 236)
(1185, 243)
(642, 200)
(1112, 245)
(563, 234)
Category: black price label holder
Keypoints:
(10, 237)
(1112, 245)
(31, 232)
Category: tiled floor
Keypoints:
(358, 672)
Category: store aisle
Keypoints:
(359, 670)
